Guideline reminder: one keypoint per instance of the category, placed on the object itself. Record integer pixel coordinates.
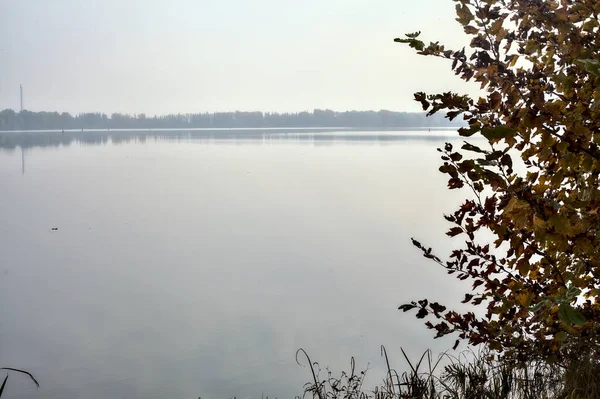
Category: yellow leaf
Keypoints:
(525, 298)
(511, 204)
(464, 14)
(562, 146)
(538, 223)
(501, 34)
(496, 26)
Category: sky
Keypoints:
(181, 56)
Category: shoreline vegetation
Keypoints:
(463, 375)
(11, 120)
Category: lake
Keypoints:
(196, 264)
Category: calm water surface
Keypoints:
(196, 264)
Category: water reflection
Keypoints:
(12, 140)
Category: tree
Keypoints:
(538, 283)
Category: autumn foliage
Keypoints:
(534, 185)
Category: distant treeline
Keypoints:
(316, 137)
(27, 120)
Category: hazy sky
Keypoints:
(163, 56)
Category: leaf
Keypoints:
(562, 146)
(536, 308)
(477, 283)
(407, 307)
(538, 222)
(569, 316)
(506, 160)
(576, 317)
(416, 243)
(468, 297)
(560, 223)
(494, 156)
(497, 132)
(495, 345)
(471, 147)
(466, 166)
(464, 14)
(413, 35)
(437, 308)
(413, 43)
(480, 42)
(447, 168)
(471, 30)
(512, 60)
(525, 298)
(591, 66)
(456, 156)
(454, 231)
(468, 132)
(561, 336)
(423, 100)
(573, 292)
(422, 313)
(495, 100)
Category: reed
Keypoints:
(468, 375)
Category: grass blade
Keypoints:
(37, 384)
(3, 385)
